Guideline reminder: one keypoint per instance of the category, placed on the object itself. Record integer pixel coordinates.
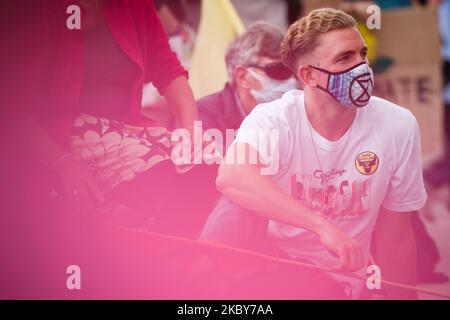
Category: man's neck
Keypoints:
(330, 119)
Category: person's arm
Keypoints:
(32, 140)
(396, 251)
(244, 184)
(179, 96)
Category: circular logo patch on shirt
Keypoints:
(367, 163)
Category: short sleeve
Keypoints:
(406, 190)
(268, 134)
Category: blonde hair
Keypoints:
(303, 35)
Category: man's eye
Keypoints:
(343, 59)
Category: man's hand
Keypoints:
(78, 186)
(344, 247)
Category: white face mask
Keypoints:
(271, 89)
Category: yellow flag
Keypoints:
(219, 25)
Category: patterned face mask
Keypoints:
(352, 87)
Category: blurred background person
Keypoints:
(179, 19)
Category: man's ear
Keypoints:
(241, 77)
(306, 75)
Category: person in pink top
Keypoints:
(80, 100)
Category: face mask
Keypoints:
(271, 89)
(352, 87)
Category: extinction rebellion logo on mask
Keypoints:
(367, 163)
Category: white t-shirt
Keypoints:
(377, 162)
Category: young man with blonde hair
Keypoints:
(349, 164)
